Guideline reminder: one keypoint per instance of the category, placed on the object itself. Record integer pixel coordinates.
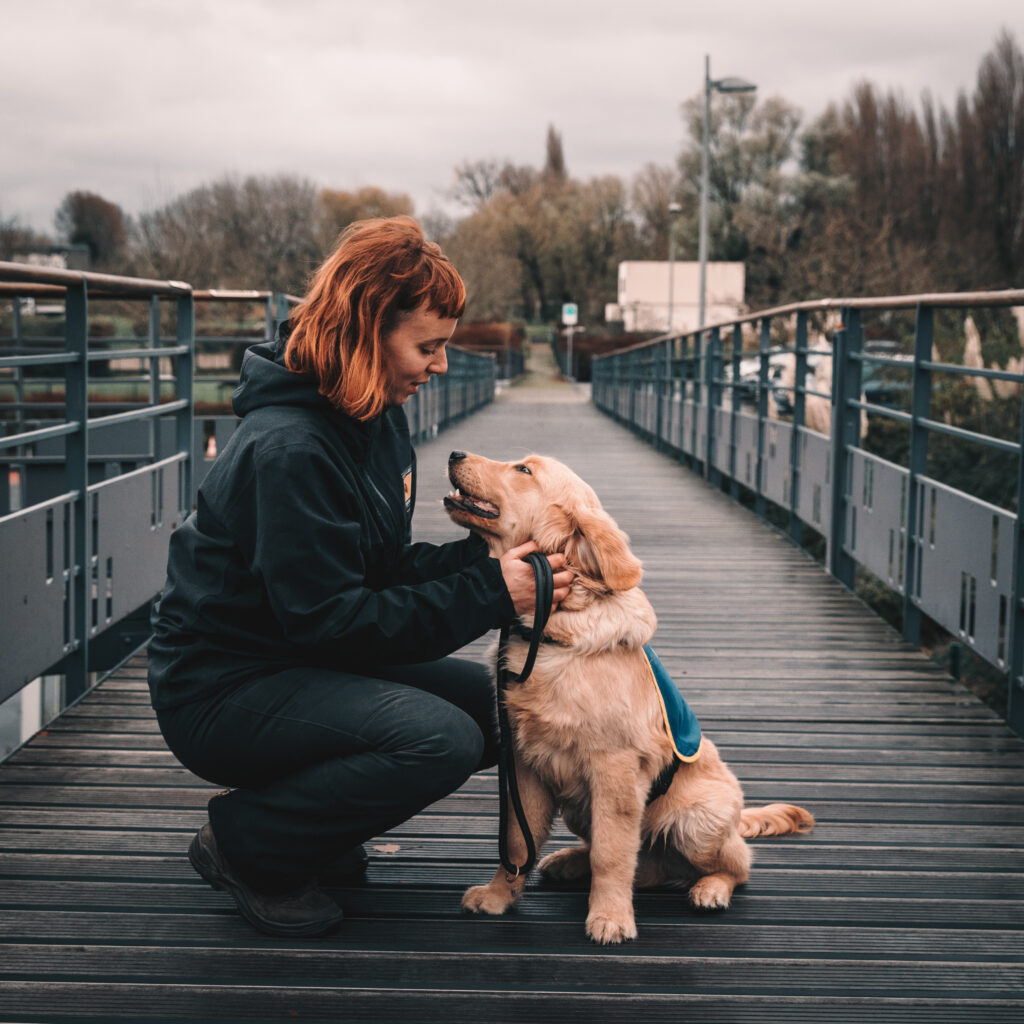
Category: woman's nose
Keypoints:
(439, 364)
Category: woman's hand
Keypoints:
(520, 581)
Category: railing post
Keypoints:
(76, 468)
(19, 373)
(734, 408)
(675, 392)
(764, 344)
(696, 371)
(269, 317)
(155, 446)
(712, 373)
(796, 530)
(845, 435)
(282, 311)
(1015, 648)
(670, 344)
(920, 408)
(658, 388)
(183, 419)
(631, 377)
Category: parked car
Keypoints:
(882, 384)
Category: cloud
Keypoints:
(142, 99)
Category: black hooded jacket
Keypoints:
(298, 551)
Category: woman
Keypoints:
(300, 644)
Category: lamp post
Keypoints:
(719, 85)
(673, 209)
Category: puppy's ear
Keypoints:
(600, 549)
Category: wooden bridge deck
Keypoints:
(905, 904)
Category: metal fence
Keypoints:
(114, 400)
(755, 404)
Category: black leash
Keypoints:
(508, 785)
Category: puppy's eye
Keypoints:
(524, 469)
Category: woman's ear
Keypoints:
(600, 549)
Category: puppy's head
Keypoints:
(539, 498)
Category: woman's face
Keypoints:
(415, 350)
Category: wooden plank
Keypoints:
(457, 875)
(709, 935)
(466, 969)
(236, 1002)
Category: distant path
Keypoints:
(543, 382)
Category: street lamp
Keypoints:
(719, 85)
(673, 209)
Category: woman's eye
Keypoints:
(524, 469)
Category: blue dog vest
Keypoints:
(681, 723)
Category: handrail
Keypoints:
(937, 300)
(105, 284)
(231, 295)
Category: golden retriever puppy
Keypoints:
(589, 725)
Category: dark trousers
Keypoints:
(321, 761)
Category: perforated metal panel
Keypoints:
(35, 599)
(746, 449)
(814, 491)
(722, 445)
(776, 461)
(131, 518)
(965, 567)
(876, 512)
(686, 439)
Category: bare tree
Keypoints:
(251, 233)
(339, 208)
(84, 218)
(16, 238)
(477, 182)
(652, 190)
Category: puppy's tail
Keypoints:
(774, 820)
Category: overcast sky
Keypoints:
(141, 100)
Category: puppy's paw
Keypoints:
(487, 899)
(607, 930)
(566, 865)
(711, 893)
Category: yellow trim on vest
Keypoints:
(664, 717)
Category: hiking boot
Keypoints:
(347, 868)
(308, 911)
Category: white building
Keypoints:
(644, 294)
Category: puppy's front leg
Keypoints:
(617, 805)
(502, 891)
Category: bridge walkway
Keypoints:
(904, 904)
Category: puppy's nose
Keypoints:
(456, 457)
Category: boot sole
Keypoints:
(216, 880)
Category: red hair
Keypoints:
(379, 270)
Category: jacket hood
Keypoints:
(265, 380)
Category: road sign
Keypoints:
(570, 314)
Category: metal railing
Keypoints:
(114, 401)
(90, 548)
(881, 498)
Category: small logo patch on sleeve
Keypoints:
(407, 487)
